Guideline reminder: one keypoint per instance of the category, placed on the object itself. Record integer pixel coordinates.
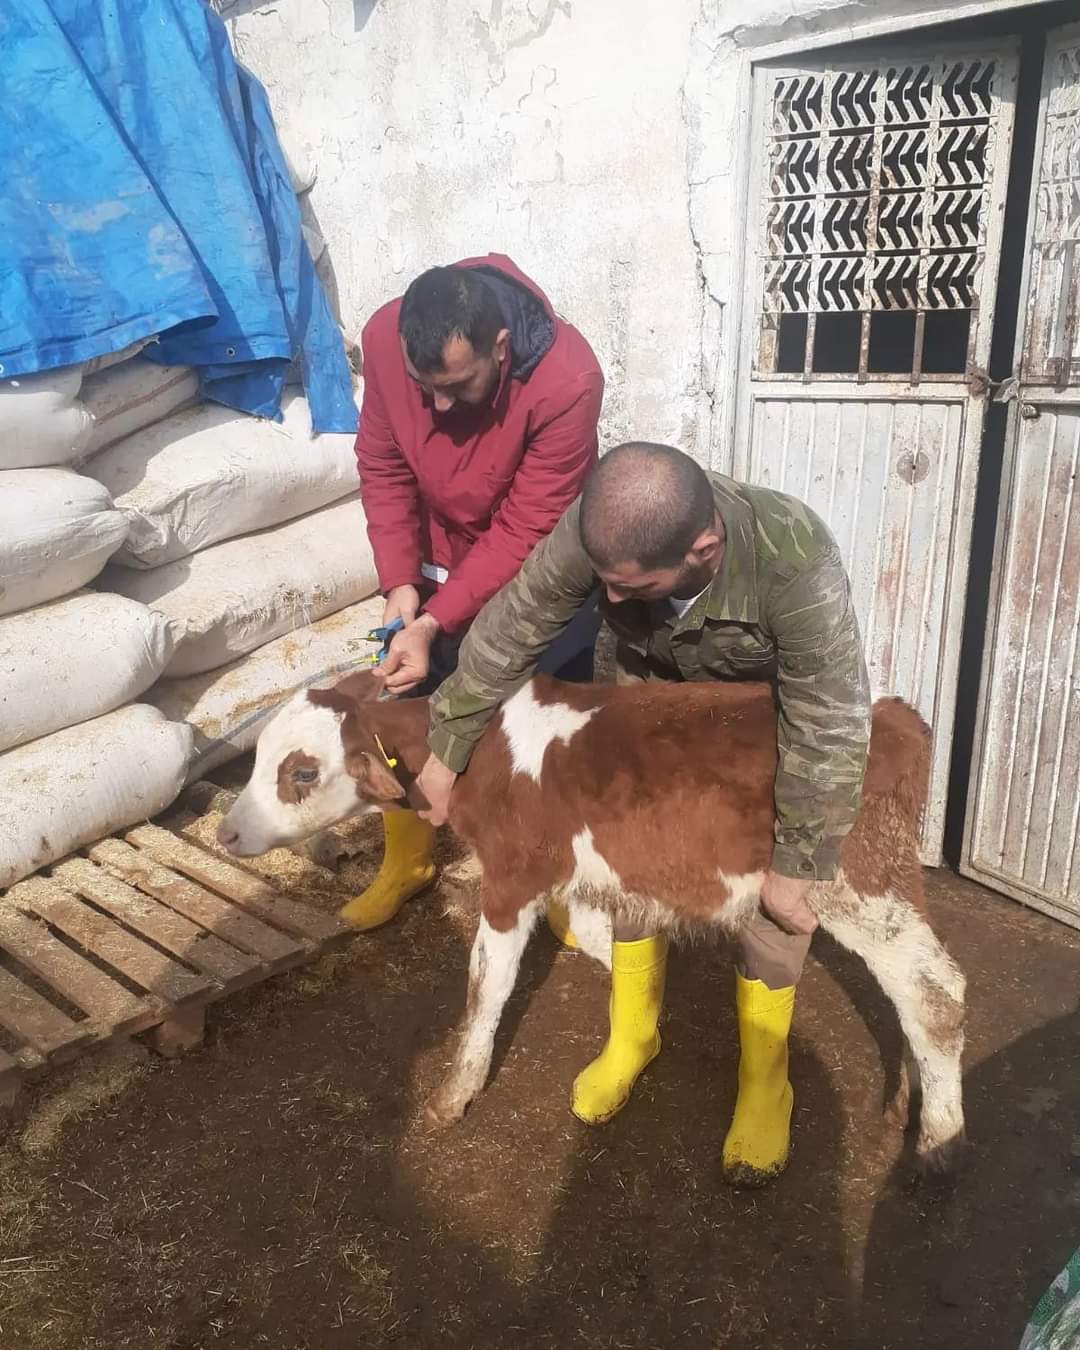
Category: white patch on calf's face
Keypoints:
(530, 727)
(259, 817)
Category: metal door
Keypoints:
(1024, 805)
(877, 196)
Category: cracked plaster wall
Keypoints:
(595, 141)
(549, 130)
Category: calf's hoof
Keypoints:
(445, 1108)
(940, 1162)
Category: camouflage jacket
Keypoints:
(779, 608)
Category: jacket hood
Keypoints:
(526, 310)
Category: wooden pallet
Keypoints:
(141, 934)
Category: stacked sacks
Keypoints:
(74, 659)
(242, 593)
(249, 537)
(76, 785)
(77, 757)
(135, 394)
(241, 570)
(61, 417)
(244, 534)
(42, 420)
(57, 531)
(228, 707)
(208, 474)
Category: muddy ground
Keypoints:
(279, 1186)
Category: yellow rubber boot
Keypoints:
(558, 917)
(757, 1145)
(637, 994)
(406, 869)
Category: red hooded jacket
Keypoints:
(472, 491)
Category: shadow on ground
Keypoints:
(279, 1187)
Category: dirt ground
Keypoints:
(280, 1188)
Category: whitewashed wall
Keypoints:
(595, 141)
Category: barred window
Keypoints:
(877, 193)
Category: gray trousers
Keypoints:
(769, 954)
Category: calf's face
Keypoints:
(314, 766)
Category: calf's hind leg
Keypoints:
(493, 968)
(927, 989)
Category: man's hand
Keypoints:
(436, 782)
(409, 658)
(402, 602)
(784, 900)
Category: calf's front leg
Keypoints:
(493, 968)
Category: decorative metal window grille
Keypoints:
(875, 215)
(1052, 344)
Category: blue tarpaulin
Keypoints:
(145, 193)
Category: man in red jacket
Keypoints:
(477, 429)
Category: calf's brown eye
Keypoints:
(305, 776)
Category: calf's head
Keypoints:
(316, 763)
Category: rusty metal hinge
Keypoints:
(979, 382)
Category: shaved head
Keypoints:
(645, 504)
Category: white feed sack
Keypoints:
(108, 359)
(57, 531)
(75, 659)
(42, 420)
(72, 787)
(241, 594)
(125, 398)
(228, 708)
(209, 474)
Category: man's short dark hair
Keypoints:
(644, 503)
(444, 303)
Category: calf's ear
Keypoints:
(363, 687)
(374, 778)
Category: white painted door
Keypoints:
(1024, 805)
(877, 192)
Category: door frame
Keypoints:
(1017, 391)
(964, 390)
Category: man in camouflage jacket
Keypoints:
(754, 588)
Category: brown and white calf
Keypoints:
(650, 800)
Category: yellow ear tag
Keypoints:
(390, 763)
